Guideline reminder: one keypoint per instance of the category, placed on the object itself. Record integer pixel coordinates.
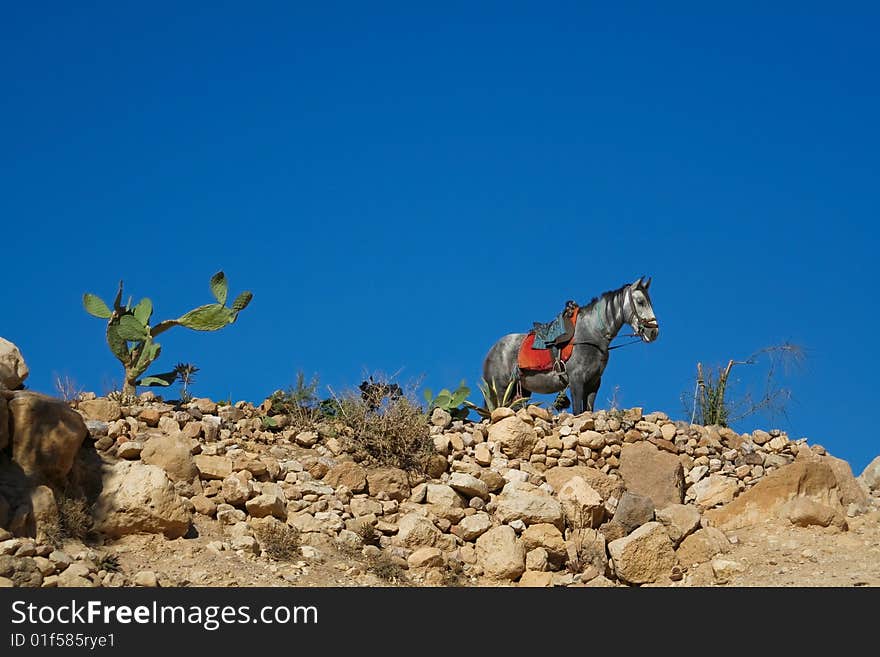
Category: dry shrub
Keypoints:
(279, 540)
(386, 568)
(386, 427)
(75, 519)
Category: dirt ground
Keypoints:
(773, 554)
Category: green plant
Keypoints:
(131, 337)
(451, 402)
(109, 562)
(186, 373)
(493, 399)
(299, 402)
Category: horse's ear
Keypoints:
(638, 282)
(647, 283)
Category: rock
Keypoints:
(237, 489)
(586, 547)
(172, 453)
(4, 424)
(715, 490)
(137, 498)
(607, 486)
(548, 538)
(649, 471)
(76, 576)
(425, 557)
(534, 578)
(500, 555)
(804, 512)
(102, 410)
(803, 478)
(523, 501)
(270, 502)
(724, 569)
(634, 510)
(870, 477)
(441, 418)
(583, 506)
(600, 582)
(849, 489)
(443, 495)
(213, 467)
(204, 506)
(500, 413)
(515, 436)
(348, 474)
(150, 417)
(482, 454)
(697, 473)
(131, 449)
(680, 520)
(394, 482)
(44, 511)
(472, 527)
(538, 559)
(23, 571)
(415, 531)
(643, 556)
(306, 438)
(46, 435)
(13, 369)
(493, 480)
(436, 466)
(701, 546)
(146, 578)
(468, 485)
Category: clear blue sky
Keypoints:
(400, 185)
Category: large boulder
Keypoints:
(13, 369)
(812, 478)
(515, 436)
(46, 435)
(870, 477)
(520, 500)
(213, 467)
(392, 481)
(138, 498)
(415, 531)
(607, 486)
(500, 555)
(547, 537)
(649, 471)
(643, 556)
(582, 505)
(4, 423)
(680, 520)
(172, 453)
(848, 486)
(715, 490)
(702, 545)
(633, 511)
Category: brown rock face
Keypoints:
(393, 481)
(644, 556)
(172, 454)
(138, 498)
(500, 554)
(810, 478)
(103, 410)
(606, 485)
(348, 474)
(4, 423)
(46, 435)
(702, 545)
(516, 437)
(648, 471)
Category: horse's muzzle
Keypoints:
(650, 333)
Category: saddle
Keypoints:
(548, 345)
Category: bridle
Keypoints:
(641, 325)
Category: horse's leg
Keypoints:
(578, 397)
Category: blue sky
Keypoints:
(401, 185)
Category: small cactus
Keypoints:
(131, 337)
(449, 401)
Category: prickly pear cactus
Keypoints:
(131, 337)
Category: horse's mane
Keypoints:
(605, 294)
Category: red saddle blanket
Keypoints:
(541, 360)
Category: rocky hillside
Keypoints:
(99, 493)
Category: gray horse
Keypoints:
(597, 325)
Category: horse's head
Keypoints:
(641, 312)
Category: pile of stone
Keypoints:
(598, 499)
